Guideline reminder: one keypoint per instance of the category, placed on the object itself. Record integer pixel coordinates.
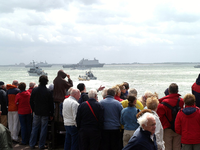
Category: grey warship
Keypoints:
(84, 64)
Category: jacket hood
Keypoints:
(24, 93)
(189, 110)
(198, 80)
(169, 97)
(61, 74)
(10, 86)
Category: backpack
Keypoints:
(174, 111)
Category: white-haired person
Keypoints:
(90, 120)
(129, 120)
(144, 137)
(143, 99)
(152, 104)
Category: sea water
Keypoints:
(142, 77)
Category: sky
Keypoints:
(112, 31)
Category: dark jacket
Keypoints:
(41, 101)
(141, 141)
(196, 91)
(84, 97)
(3, 102)
(61, 86)
(85, 118)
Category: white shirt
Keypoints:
(70, 106)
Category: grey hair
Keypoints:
(132, 92)
(104, 93)
(144, 118)
(92, 93)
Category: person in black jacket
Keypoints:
(41, 102)
(3, 104)
(89, 119)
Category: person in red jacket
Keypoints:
(187, 124)
(22, 100)
(172, 140)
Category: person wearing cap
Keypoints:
(196, 91)
(3, 104)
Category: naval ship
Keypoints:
(84, 64)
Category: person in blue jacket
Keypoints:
(144, 137)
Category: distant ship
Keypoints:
(36, 71)
(84, 64)
(40, 64)
(197, 66)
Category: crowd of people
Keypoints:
(119, 120)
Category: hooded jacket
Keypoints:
(22, 100)
(12, 91)
(187, 124)
(163, 110)
(61, 86)
(196, 91)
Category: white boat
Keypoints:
(36, 71)
(88, 76)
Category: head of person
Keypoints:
(43, 80)
(22, 86)
(132, 92)
(117, 90)
(2, 84)
(173, 88)
(166, 92)
(111, 92)
(104, 93)
(31, 84)
(189, 99)
(75, 93)
(126, 85)
(69, 91)
(93, 94)
(152, 103)
(81, 87)
(147, 122)
(131, 101)
(15, 82)
(51, 87)
(122, 88)
(61, 74)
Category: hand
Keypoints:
(101, 88)
(68, 76)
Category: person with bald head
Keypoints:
(70, 107)
(13, 118)
(31, 86)
(144, 137)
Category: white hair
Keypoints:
(104, 93)
(148, 93)
(92, 93)
(144, 118)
